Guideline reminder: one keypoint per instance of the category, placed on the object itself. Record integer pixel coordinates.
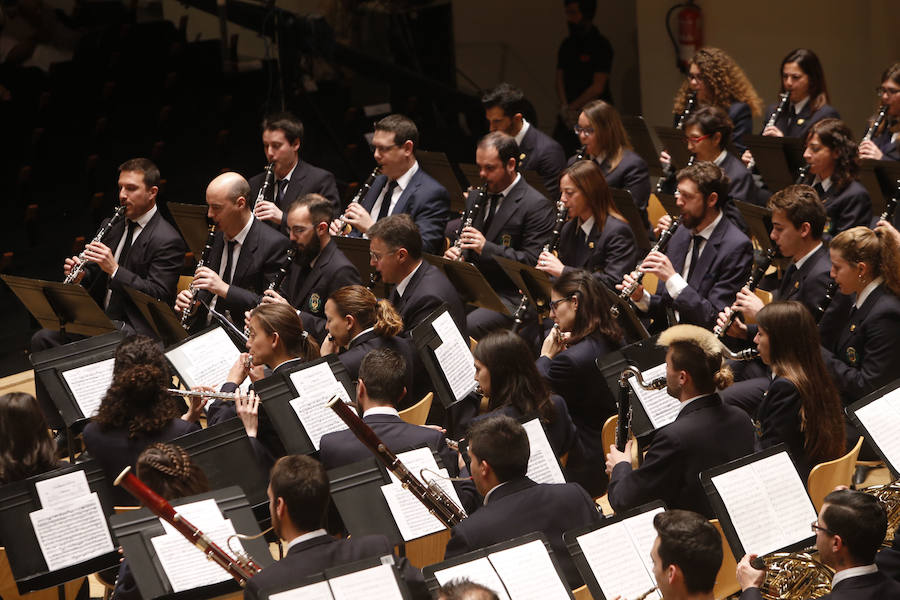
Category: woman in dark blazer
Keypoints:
(885, 142)
(596, 237)
(801, 407)
(584, 331)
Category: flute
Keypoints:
(344, 227)
(74, 271)
(751, 284)
(229, 396)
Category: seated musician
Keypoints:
(514, 221)
(245, 256)
(318, 268)
(514, 505)
(885, 142)
(419, 287)
(850, 529)
(136, 411)
(584, 331)
(598, 238)
(685, 447)
(708, 258)
(298, 502)
(26, 446)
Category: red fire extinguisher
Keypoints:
(690, 32)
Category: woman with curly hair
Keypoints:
(832, 157)
(26, 446)
(136, 411)
(885, 142)
(802, 407)
(719, 81)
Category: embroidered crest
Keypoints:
(828, 226)
(801, 121)
(591, 245)
(796, 285)
(852, 327)
(315, 302)
(852, 357)
(506, 240)
(522, 157)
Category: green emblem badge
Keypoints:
(315, 302)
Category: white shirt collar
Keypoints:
(825, 183)
(491, 491)
(802, 260)
(306, 536)
(401, 287)
(521, 135)
(145, 218)
(720, 157)
(588, 225)
(688, 401)
(403, 180)
(852, 572)
(381, 410)
(242, 234)
(861, 297)
(363, 332)
(798, 106)
(511, 186)
(707, 231)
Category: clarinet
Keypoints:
(669, 170)
(275, 285)
(891, 205)
(551, 246)
(471, 215)
(876, 124)
(830, 290)
(660, 246)
(782, 104)
(241, 567)
(78, 268)
(346, 228)
(374, 279)
(267, 183)
(433, 497)
(581, 153)
(802, 175)
(751, 284)
(188, 312)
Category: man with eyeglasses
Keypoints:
(402, 187)
(319, 266)
(849, 531)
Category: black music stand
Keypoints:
(642, 142)
(192, 223)
(427, 340)
(356, 249)
(276, 393)
(60, 307)
(161, 317)
(473, 288)
(437, 165)
(669, 203)
(777, 159)
(625, 203)
(877, 442)
(26, 560)
(533, 283)
(135, 529)
(628, 319)
(673, 141)
(759, 220)
(338, 571)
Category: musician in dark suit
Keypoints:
(419, 287)
(885, 142)
(402, 187)
(721, 254)
(504, 108)
(686, 555)
(683, 448)
(514, 222)
(514, 505)
(244, 258)
(597, 239)
(298, 503)
(605, 141)
(282, 135)
(141, 251)
(850, 529)
(319, 267)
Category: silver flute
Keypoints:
(78, 268)
(232, 396)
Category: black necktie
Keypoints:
(695, 254)
(229, 268)
(386, 201)
(494, 200)
(282, 185)
(820, 190)
(127, 245)
(784, 290)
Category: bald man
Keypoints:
(245, 256)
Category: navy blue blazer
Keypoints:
(544, 155)
(797, 126)
(778, 420)
(560, 431)
(742, 117)
(352, 358)
(608, 254)
(888, 560)
(846, 208)
(863, 355)
(521, 506)
(308, 289)
(426, 291)
(740, 187)
(633, 175)
(874, 586)
(705, 434)
(890, 149)
(306, 179)
(425, 200)
(721, 271)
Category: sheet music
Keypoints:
(61, 490)
(881, 418)
(205, 359)
(479, 571)
(542, 464)
(376, 582)
(315, 386)
(528, 572)
(315, 591)
(422, 458)
(454, 356)
(186, 566)
(767, 504)
(411, 516)
(660, 407)
(643, 534)
(73, 533)
(89, 383)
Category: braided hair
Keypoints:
(168, 470)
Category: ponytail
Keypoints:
(890, 260)
(388, 321)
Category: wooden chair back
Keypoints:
(825, 476)
(418, 412)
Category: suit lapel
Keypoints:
(139, 246)
(407, 193)
(369, 201)
(316, 272)
(859, 315)
(245, 260)
(677, 251)
(293, 189)
(709, 254)
(507, 208)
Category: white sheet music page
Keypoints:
(375, 582)
(767, 504)
(59, 491)
(421, 459)
(660, 407)
(527, 572)
(881, 418)
(454, 356)
(542, 464)
(478, 571)
(315, 386)
(643, 534)
(206, 359)
(72, 532)
(89, 383)
(315, 591)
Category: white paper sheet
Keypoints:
(542, 464)
(62, 490)
(477, 571)
(454, 356)
(881, 418)
(185, 565)
(206, 359)
(376, 582)
(89, 383)
(73, 533)
(315, 387)
(315, 591)
(528, 572)
(660, 407)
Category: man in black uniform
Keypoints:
(282, 135)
